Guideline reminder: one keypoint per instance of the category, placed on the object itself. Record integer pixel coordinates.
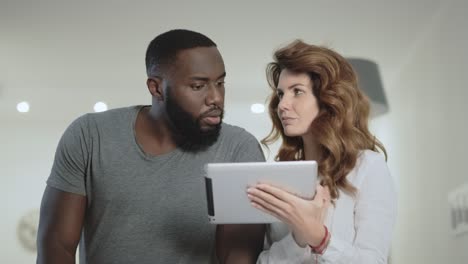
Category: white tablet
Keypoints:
(227, 183)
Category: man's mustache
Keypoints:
(214, 112)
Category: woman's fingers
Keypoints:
(263, 209)
(326, 193)
(288, 207)
(326, 198)
(322, 201)
(279, 193)
(319, 195)
(267, 201)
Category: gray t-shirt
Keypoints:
(141, 208)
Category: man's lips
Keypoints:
(212, 113)
(212, 117)
(212, 120)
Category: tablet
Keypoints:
(226, 187)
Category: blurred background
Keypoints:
(63, 57)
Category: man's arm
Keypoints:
(61, 220)
(242, 243)
(239, 243)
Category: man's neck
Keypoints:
(153, 131)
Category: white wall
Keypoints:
(428, 127)
(27, 150)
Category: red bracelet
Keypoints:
(321, 250)
(317, 248)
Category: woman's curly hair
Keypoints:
(341, 126)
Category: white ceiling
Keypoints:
(63, 56)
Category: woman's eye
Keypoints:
(279, 94)
(298, 91)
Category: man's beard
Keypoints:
(190, 136)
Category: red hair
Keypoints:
(341, 126)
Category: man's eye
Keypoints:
(197, 87)
(220, 83)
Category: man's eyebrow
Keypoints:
(205, 79)
(221, 76)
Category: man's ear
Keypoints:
(155, 87)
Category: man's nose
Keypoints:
(215, 95)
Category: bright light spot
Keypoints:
(23, 107)
(100, 107)
(257, 108)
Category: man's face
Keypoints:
(194, 94)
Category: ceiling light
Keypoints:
(100, 107)
(22, 107)
(257, 108)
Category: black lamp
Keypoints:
(371, 84)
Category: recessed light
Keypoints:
(257, 108)
(22, 107)
(100, 107)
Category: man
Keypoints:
(128, 183)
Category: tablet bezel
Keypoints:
(226, 185)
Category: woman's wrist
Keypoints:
(316, 234)
(321, 247)
(312, 236)
(300, 240)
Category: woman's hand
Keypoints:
(304, 217)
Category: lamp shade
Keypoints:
(371, 84)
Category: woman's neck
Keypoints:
(311, 151)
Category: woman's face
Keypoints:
(298, 106)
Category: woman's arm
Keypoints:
(304, 217)
(374, 219)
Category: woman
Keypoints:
(321, 114)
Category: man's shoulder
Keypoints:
(108, 119)
(113, 114)
(232, 135)
(232, 131)
(241, 144)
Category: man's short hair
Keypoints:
(163, 49)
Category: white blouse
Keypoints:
(361, 227)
